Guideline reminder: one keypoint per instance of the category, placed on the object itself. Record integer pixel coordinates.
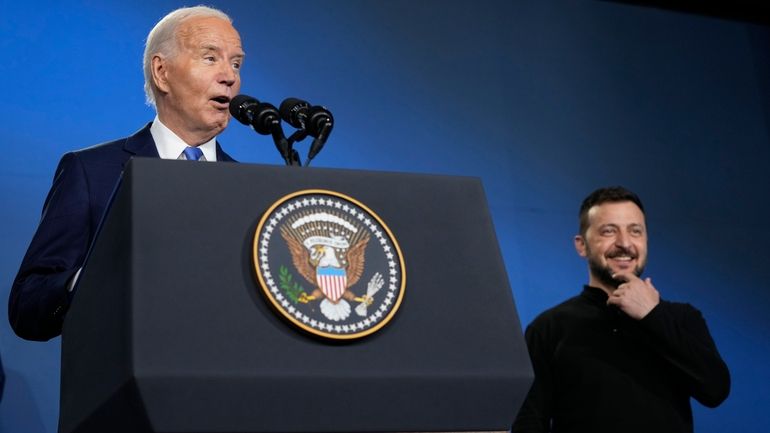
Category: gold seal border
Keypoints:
(279, 308)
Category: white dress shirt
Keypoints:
(170, 146)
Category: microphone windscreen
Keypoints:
(293, 111)
(239, 108)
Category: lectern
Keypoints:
(169, 330)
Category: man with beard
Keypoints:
(618, 358)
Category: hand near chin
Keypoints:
(635, 297)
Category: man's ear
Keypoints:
(580, 245)
(159, 71)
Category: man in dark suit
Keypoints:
(192, 62)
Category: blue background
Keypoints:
(543, 100)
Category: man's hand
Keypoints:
(635, 297)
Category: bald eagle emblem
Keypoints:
(328, 264)
(329, 252)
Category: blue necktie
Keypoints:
(193, 153)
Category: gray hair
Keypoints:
(162, 40)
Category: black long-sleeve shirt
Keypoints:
(598, 370)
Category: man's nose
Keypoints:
(623, 239)
(228, 75)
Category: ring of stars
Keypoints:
(385, 300)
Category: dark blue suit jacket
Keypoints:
(81, 189)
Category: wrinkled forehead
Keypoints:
(196, 31)
(622, 213)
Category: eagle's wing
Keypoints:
(300, 257)
(356, 261)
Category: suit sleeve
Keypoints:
(680, 333)
(39, 297)
(535, 413)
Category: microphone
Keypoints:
(316, 121)
(294, 112)
(264, 119)
(261, 116)
(301, 115)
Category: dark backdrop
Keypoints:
(543, 100)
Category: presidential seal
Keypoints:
(328, 264)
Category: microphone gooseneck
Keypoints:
(264, 119)
(309, 120)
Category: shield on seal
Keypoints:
(332, 281)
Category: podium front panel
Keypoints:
(192, 345)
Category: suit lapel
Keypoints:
(222, 156)
(142, 144)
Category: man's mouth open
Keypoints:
(222, 102)
(622, 261)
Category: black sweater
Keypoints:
(598, 370)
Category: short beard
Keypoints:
(604, 273)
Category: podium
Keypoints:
(169, 330)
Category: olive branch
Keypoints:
(292, 288)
